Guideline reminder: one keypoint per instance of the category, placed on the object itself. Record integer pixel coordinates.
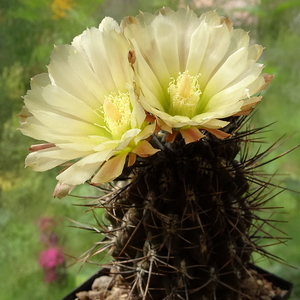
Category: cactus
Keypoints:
(184, 222)
(156, 108)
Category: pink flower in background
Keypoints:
(47, 235)
(46, 224)
(50, 275)
(51, 258)
(49, 239)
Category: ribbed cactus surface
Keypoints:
(181, 224)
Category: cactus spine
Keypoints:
(184, 223)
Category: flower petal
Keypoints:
(248, 106)
(191, 134)
(144, 149)
(220, 67)
(41, 147)
(78, 173)
(111, 169)
(70, 108)
(40, 163)
(61, 190)
(219, 133)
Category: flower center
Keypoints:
(117, 114)
(184, 94)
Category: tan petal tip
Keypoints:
(218, 133)
(268, 78)
(62, 189)
(191, 135)
(144, 149)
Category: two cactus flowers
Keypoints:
(117, 87)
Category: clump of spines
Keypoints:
(184, 222)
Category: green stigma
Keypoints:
(116, 114)
(184, 95)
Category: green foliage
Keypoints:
(278, 30)
(28, 31)
(277, 16)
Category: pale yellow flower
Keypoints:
(193, 71)
(86, 109)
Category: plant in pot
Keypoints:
(153, 113)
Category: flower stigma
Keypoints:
(184, 94)
(115, 114)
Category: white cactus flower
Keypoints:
(193, 71)
(86, 109)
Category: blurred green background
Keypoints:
(28, 31)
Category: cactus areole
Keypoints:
(152, 111)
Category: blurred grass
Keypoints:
(28, 31)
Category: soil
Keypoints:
(112, 288)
